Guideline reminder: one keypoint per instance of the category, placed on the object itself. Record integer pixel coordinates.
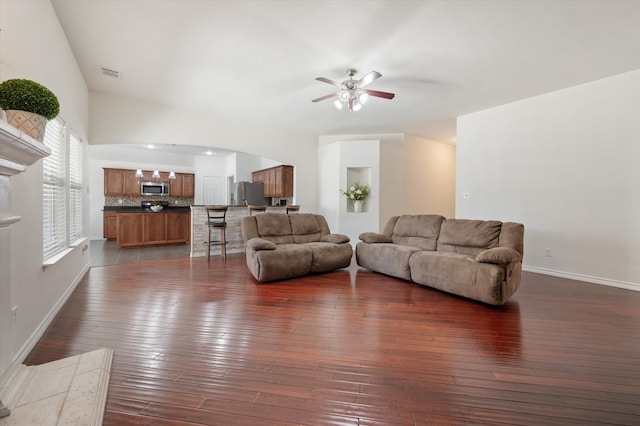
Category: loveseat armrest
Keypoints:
(335, 238)
(374, 237)
(499, 256)
(260, 244)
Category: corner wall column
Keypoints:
(17, 151)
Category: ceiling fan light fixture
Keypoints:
(352, 92)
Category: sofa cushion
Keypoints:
(386, 258)
(374, 237)
(287, 261)
(460, 274)
(512, 235)
(304, 228)
(328, 256)
(274, 227)
(498, 256)
(468, 236)
(417, 231)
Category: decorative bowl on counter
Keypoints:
(156, 208)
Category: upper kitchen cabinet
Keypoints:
(183, 185)
(119, 182)
(123, 182)
(278, 180)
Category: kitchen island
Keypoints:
(199, 230)
(137, 227)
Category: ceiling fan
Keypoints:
(352, 92)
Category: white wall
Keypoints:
(566, 165)
(33, 46)
(416, 176)
(410, 175)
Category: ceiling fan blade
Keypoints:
(324, 97)
(326, 80)
(368, 78)
(379, 94)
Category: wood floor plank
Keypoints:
(202, 343)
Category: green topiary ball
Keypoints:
(27, 95)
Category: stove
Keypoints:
(146, 205)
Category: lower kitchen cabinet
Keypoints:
(109, 225)
(152, 229)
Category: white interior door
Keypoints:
(213, 190)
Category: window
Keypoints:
(62, 189)
(75, 187)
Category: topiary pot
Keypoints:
(28, 105)
(32, 124)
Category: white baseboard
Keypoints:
(586, 278)
(39, 331)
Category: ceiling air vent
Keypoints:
(111, 73)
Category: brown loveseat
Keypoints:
(477, 259)
(281, 246)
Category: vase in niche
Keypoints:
(357, 206)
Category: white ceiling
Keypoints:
(260, 58)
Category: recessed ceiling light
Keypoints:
(209, 153)
(150, 146)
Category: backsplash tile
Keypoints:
(110, 200)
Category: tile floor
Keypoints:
(107, 252)
(70, 391)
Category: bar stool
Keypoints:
(256, 209)
(291, 208)
(216, 219)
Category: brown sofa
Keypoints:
(281, 246)
(477, 259)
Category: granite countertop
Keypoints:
(138, 209)
(239, 206)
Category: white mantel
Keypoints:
(17, 151)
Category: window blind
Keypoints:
(75, 186)
(54, 200)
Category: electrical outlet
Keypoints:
(14, 316)
(547, 252)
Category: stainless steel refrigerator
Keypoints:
(250, 193)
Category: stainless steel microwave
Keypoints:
(155, 188)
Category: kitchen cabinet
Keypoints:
(131, 184)
(188, 185)
(183, 185)
(113, 182)
(152, 229)
(178, 227)
(129, 229)
(278, 180)
(109, 225)
(123, 182)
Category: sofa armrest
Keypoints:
(260, 244)
(374, 237)
(335, 238)
(499, 256)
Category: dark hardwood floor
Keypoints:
(200, 342)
